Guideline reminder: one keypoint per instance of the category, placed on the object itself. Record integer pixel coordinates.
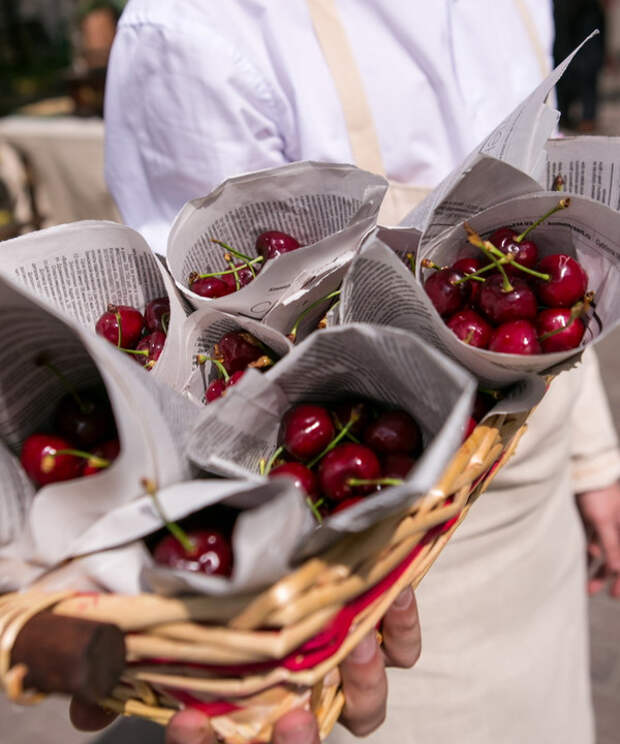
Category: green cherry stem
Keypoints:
(314, 508)
(272, 459)
(486, 247)
(165, 320)
(293, 334)
(201, 359)
(338, 438)
(562, 204)
(117, 315)
(98, 462)
(411, 258)
(174, 529)
(234, 252)
(231, 263)
(428, 264)
(194, 275)
(576, 311)
(374, 482)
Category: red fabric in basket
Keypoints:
(212, 709)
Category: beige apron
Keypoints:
(503, 611)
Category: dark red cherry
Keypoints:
(444, 293)
(555, 319)
(396, 465)
(235, 377)
(238, 349)
(107, 451)
(393, 431)
(43, 465)
(342, 412)
(210, 286)
(344, 462)
(244, 275)
(568, 282)
(306, 430)
(157, 314)
(501, 307)
(211, 554)
(131, 325)
(154, 345)
(469, 265)
(470, 328)
(84, 420)
(515, 337)
(303, 477)
(346, 504)
(482, 405)
(215, 389)
(471, 425)
(274, 243)
(525, 252)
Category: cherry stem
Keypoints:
(338, 438)
(428, 264)
(476, 274)
(576, 311)
(174, 529)
(558, 183)
(411, 258)
(339, 426)
(195, 276)
(99, 462)
(117, 315)
(374, 482)
(231, 263)
(562, 204)
(136, 352)
(492, 393)
(261, 466)
(203, 358)
(69, 388)
(165, 320)
(272, 459)
(314, 508)
(238, 254)
(488, 248)
(293, 334)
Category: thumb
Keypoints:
(609, 535)
(190, 727)
(297, 727)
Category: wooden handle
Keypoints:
(70, 655)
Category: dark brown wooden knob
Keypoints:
(70, 655)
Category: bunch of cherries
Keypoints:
(141, 336)
(510, 301)
(82, 440)
(339, 454)
(233, 354)
(241, 269)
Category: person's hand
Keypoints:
(363, 679)
(600, 511)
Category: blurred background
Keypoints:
(53, 56)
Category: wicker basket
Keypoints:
(247, 660)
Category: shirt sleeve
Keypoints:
(184, 111)
(595, 455)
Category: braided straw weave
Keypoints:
(247, 660)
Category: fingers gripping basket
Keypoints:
(245, 661)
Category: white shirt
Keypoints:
(201, 91)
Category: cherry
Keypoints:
(344, 462)
(525, 252)
(211, 553)
(471, 425)
(83, 418)
(43, 465)
(346, 504)
(568, 282)
(244, 276)
(274, 243)
(238, 349)
(131, 324)
(306, 430)
(501, 306)
(393, 431)
(108, 452)
(211, 286)
(157, 314)
(342, 412)
(469, 265)
(471, 328)
(154, 345)
(215, 389)
(551, 321)
(444, 293)
(483, 402)
(515, 337)
(235, 377)
(396, 465)
(303, 477)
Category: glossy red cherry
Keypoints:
(444, 293)
(84, 420)
(515, 337)
(344, 462)
(471, 328)
(568, 282)
(131, 324)
(235, 377)
(551, 321)
(215, 389)
(396, 465)
(501, 307)
(211, 554)
(42, 464)
(211, 286)
(346, 504)
(393, 431)
(108, 451)
(525, 252)
(274, 243)
(303, 477)
(154, 345)
(306, 430)
(238, 349)
(157, 314)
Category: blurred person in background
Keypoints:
(199, 93)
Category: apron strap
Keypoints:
(532, 32)
(338, 54)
